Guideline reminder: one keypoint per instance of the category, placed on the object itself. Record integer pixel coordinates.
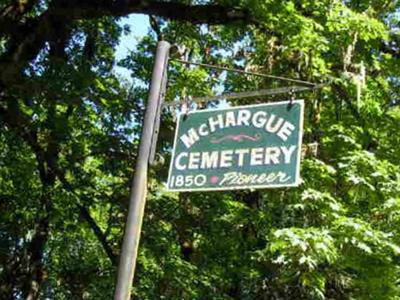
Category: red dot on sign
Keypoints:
(214, 179)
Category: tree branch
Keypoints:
(196, 14)
(13, 13)
(28, 39)
(89, 219)
(48, 166)
(156, 27)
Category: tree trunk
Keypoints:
(36, 273)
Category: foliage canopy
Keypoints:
(70, 130)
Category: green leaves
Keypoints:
(301, 253)
(343, 20)
(72, 121)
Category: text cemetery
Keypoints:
(254, 146)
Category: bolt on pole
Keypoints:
(127, 262)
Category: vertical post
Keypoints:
(127, 261)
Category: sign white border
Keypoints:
(242, 187)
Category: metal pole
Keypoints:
(137, 199)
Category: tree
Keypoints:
(69, 135)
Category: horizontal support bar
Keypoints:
(264, 92)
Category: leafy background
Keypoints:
(69, 135)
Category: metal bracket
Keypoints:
(292, 97)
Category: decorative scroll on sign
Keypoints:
(255, 146)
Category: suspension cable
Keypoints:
(243, 72)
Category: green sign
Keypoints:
(255, 146)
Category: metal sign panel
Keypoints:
(255, 146)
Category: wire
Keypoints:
(243, 72)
